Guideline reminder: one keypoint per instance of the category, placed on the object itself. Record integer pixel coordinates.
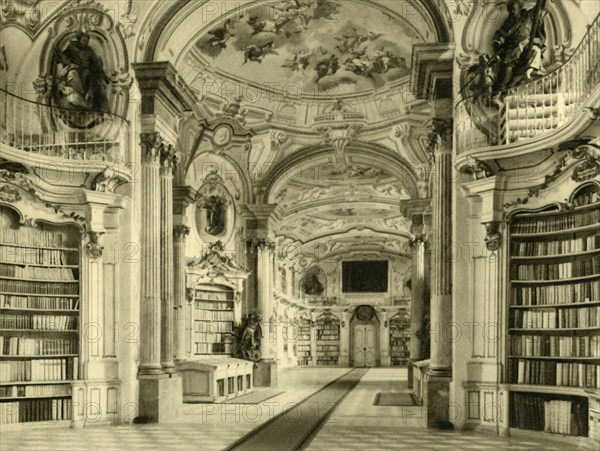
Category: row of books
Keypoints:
(37, 346)
(325, 361)
(328, 337)
(31, 237)
(550, 318)
(214, 305)
(557, 294)
(303, 348)
(214, 348)
(566, 374)
(303, 337)
(213, 295)
(553, 346)
(559, 419)
(587, 199)
(36, 272)
(31, 410)
(542, 414)
(40, 370)
(38, 302)
(32, 256)
(558, 223)
(566, 270)
(212, 315)
(559, 247)
(38, 322)
(213, 327)
(327, 348)
(212, 338)
(26, 287)
(24, 391)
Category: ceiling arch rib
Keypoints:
(374, 164)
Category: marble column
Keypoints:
(150, 308)
(179, 237)
(440, 370)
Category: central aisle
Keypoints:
(293, 430)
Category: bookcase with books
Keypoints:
(39, 321)
(553, 345)
(399, 339)
(327, 341)
(303, 342)
(213, 320)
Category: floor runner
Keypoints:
(296, 427)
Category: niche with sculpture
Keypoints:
(213, 212)
(314, 282)
(84, 69)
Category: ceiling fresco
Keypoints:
(317, 44)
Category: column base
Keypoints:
(265, 373)
(161, 399)
(436, 401)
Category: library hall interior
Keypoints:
(299, 224)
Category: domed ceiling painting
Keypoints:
(317, 44)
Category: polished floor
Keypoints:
(355, 423)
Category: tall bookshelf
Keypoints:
(553, 345)
(399, 340)
(213, 320)
(328, 341)
(39, 321)
(303, 346)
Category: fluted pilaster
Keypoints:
(418, 293)
(150, 308)
(441, 283)
(168, 161)
(264, 282)
(179, 237)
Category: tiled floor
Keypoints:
(358, 424)
(355, 424)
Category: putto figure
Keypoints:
(81, 80)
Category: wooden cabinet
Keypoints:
(215, 380)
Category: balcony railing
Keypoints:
(62, 133)
(534, 108)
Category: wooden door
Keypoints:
(365, 346)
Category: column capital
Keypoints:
(169, 159)
(180, 232)
(152, 144)
(262, 244)
(417, 240)
(441, 131)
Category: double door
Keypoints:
(365, 345)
